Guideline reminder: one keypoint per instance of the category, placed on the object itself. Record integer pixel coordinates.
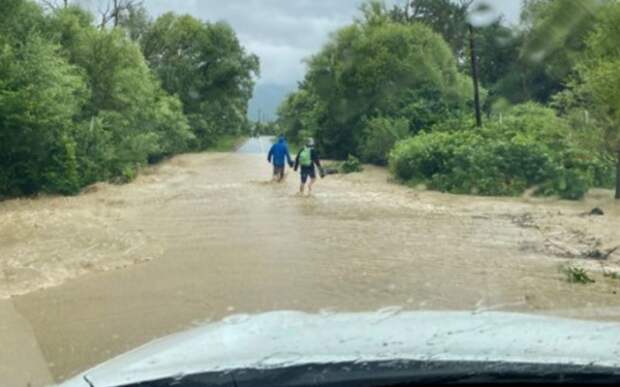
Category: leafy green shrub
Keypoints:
(421, 157)
(65, 178)
(376, 68)
(204, 65)
(128, 174)
(298, 116)
(454, 124)
(130, 120)
(468, 163)
(576, 275)
(351, 165)
(40, 93)
(174, 134)
(604, 172)
(94, 151)
(530, 149)
(80, 104)
(380, 136)
(572, 174)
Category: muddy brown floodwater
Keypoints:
(204, 236)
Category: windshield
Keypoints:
(166, 165)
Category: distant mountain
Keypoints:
(266, 100)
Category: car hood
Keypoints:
(285, 339)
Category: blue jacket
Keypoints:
(278, 154)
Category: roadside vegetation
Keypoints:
(84, 100)
(576, 275)
(351, 165)
(394, 88)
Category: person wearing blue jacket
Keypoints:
(278, 156)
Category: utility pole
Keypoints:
(618, 177)
(474, 71)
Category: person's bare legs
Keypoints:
(278, 176)
(310, 186)
(302, 186)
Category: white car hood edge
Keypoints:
(283, 339)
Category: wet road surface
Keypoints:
(256, 145)
(204, 236)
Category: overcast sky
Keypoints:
(284, 32)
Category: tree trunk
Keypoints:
(618, 176)
(115, 12)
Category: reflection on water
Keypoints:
(214, 239)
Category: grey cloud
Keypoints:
(281, 32)
(284, 32)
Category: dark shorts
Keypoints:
(307, 171)
(278, 171)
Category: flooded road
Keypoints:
(256, 145)
(204, 236)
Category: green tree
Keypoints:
(40, 94)
(498, 48)
(79, 103)
(20, 18)
(599, 74)
(380, 136)
(446, 17)
(135, 20)
(531, 62)
(298, 115)
(377, 67)
(67, 26)
(553, 41)
(128, 119)
(204, 65)
(127, 98)
(531, 147)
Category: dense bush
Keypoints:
(375, 68)
(40, 94)
(139, 120)
(530, 148)
(351, 165)
(380, 136)
(297, 116)
(206, 66)
(80, 104)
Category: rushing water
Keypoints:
(205, 236)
